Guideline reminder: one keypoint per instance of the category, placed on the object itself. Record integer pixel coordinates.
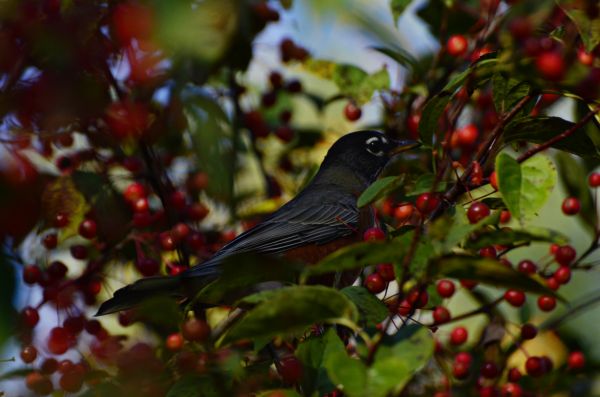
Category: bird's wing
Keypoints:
(290, 227)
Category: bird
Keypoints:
(322, 218)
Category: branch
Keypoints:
(531, 152)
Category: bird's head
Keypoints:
(366, 153)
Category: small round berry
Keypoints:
(174, 341)
(74, 324)
(31, 274)
(427, 203)
(59, 340)
(565, 255)
(417, 298)
(412, 124)
(375, 283)
(38, 383)
(562, 275)
(477, 211)
(488, 252)
(61, 220)
(441, 315)
(134, 192)
(494, 180)
(552, 283)
(464, 357)
(445, 288)
(49, 366)
(505, 216)
(403, 212)
(352, 111)
(79, 251)
(460, 370)
(72, 381)
(167, 242)
(404, 308)
(458, 336)
(571, 206)
(546, 303)
(457, 45)
(550, 65)
(466, 136)
(195, 330)
(285, 133)
(514, 297)
(147, 266)
(594, 179)
(526, 266)
(373, 234)
(386, 271)
(50, 241)
(290, 370)
(585, 58)
(528, 331)
(489, 370)
(511, 390)
(576, 360)
(468, 284)
(534, 366)
(87, 228)
(28, 354)
(514, 375)
(30, 316)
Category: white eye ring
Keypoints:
(378, 153)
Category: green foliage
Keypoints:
(358, 84)
(507, 92)
(372, 311)
(381, 188)
(7, 292)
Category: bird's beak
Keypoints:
(404, 145)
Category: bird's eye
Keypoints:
(375, 146)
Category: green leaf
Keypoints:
(7, 290)
(574, 178)
(538, 177)
(488, 271)
(240, 273)
(397, 362)
(356, 256)
(358, 84)
(507, 92)
(311, 353)
(516, 236)
(430, 116)
(588, 28)
(210, 131)
(292, 309)
(193, 386)
(460, 228)
(279, 393)
(398, 7)
(380, 188)
(372, 310)
(397, 54)
(349, 374)
(543, 128)
(425, 184)
(508, 172)
(161, 311)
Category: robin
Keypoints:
(322, 218)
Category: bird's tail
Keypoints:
(133, 294)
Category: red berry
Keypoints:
(180, 231)
(50, 241)
(141, 205)
(57, 270)
(594, 179)
(74, 324)
(489, 370)
(49, 366)
(285, 133)
(28, 354)
(412, 124)
(445, 288)
(38, 383)
(466, 137)
(464, 357)
(488, 391)
(87, 228)
(585, 58)
(468, 284)
(72, 380)
(352, 111)
(552, 283)
(514, 375)
(427, 203)
(276, 79)
(134, 192)
(477, 211)
(514, 297)
(571, 206)
(494, 180)
(195, 330)
(417, 298)
(460, 370)
(505, 216)
(528, 331)
(174, 341)
(386, 271)
(457, 45)
(565, 255)
(290, 369)
(373, 234)
(79, 251)
(511, 390)
(59, 340)
(403, 212)
(576, 360)
(197, 211)
(488, 252)
(550, 65)
(546, 303)
(61, 220)
(375, 283)
(30, 316)
(31, 274)
(147, 266)
(562, 275)
(441, 315)
(93, 327)
(458, 336)
(167, 242)
(178, 199)
(534, 366)
(526, 266)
